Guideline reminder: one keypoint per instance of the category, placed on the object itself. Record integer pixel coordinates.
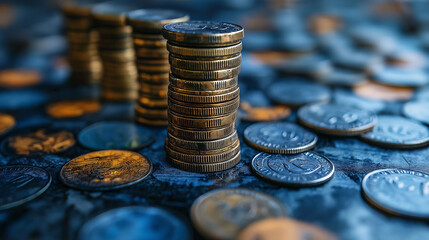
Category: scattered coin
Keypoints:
(378, 91)
(401, 77)
(71, 109)
(398, 191)
(20, 184)
(418, 110)
(263, 114)
(105, 170)
(397, 132)
(360, 61)
(7, 122)
(344, 78)
(222, 214)
(285, 138)
(16, 78)
(312, 66)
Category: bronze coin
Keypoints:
(378, 91)
(263, 114)
(149, 102)
(15, 78)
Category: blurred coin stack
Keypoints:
(116, 50)
(83, 55)
(203, 95)
(152, 62)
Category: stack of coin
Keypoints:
(203, 94)
(83, 56)
(119, 81)
(152, 62)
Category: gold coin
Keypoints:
(111, 13)
(203, 110)
(205, 75)
(105, 170)
(119, 96)
(204, 96)
(150, 43)
(14, 78)
(82, 37)
(206, 65)
(204, 52)
(7, 122)
(151, 122)
(70, 109)
(203, 145)
(206, 134)
(263, 114)
(377, 91)
(203, 85)
(157, 91)
(194, 122)
(155, 68)
(122, 31)
(204, 168)
(77, 9)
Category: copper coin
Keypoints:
(378, 91)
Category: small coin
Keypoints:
(398, 191)
(203, 145)
(20, 184)
(285, 138)
(263, 114)
(397, 132)
(418, 110)
(206, 75)
(223, 213)
(336, 119)
(207, 167)
(296, 93)
(378, 91)
(15, 78)
(136, 222)
(7, 122)
(205, 65)
(115, 135)
(105, 170)
(300, 170)
(152, 20)
(204, 52)
(70, 109)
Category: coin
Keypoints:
(136, 222)
(417, 110)
(295, 93)
(397, 132)
(152, 20)
(206, 167)
(283, 228)
(344, 78)
(356, 60)
(300, 170)
(201, 123)
(401, 77)
(20, 184)
(400, 192)
(208, 97)
(206, 75)
(312, 66)
(70, 109)
(203, 145)
(223, 213)
(203, 110)
(7, 122)
(378, 91)
(263, 114)
(115, 135)
(336, 119)
(110, 13)
(16, 78)
(203, 85)
(206, 134)
(105, 170)
(204, 52)
(206, 65)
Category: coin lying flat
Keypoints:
(221, 214)
(136, 222)
(70, 109)
(401, 77)
(378, 91)
(345, 78)
(286, 138)
(417, 110)
(105, 170)
(20, 184)
(283, 228)
(397, 132)
(299, 170)
(263, 114)
(398, 191)
(7, 122)
(336, 119)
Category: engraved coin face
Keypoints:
(203, 27)
(398, 191)
(20, 184)
(418, 110)
(336, 119)
(221, 214)
(299, 170)
(70, 109)
(115, 135)
(105, 170)
(284, 138)
(135, 223)
(7, 122)
(397, 132)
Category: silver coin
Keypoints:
(336, 119)
(135, 223)
(299, 170)
(398, 191)
(20, 184)
(285, 138)
(418, 110)
(397, 132)
(401, 77)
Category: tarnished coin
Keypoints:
(70, 109)
(282, 229)
(201, 123)
(336, 119)
(300, 170)
(15, 78)
(222, 214)
(203, 109)
(263, 114)
(295, 93)
(20, 184)
(115, 135)
(206, 134)
(105, 170)
(378, 91)
(203, 85)
(397, 132)
(7, 122)
(398, 191)
(136, 222)
(152, 20)
(285, 138)
(418, 110)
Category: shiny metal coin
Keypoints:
(418, 110)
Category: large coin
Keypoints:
(286, 138)
(221, 214)
(152, 20)
(105, 170)
(398, 191)
(132, 223)
(300, 170)
(418, 110)
(336, 119)
(397, 132)
(20, 184)
(7, 122)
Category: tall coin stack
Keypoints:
(116, 50)
(83, 56)
(152, 62)
(203, 95)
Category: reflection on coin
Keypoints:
(70, 109)
(336, 119)
(263, 114)
(221, 214)
(115, 135)
(20, 184)
(282, 229)
(136, 222)
(105, 170)
(286, 138)
(398, 191)
(15, 78)
(378, 91)
(418, 110)
(7, 122)
(299, 170)
(397, 132)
